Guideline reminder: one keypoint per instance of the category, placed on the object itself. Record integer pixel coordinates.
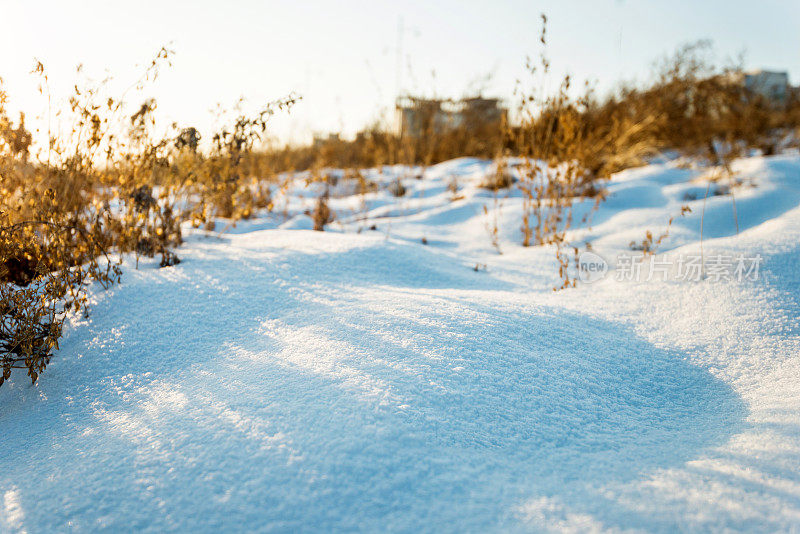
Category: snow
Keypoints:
(357, 379)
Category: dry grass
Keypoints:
(107, 186)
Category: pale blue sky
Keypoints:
(342, 55)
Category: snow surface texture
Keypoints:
(284, 379)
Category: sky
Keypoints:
(349, 59)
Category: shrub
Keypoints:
(107, 185)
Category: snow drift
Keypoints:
(284, 379)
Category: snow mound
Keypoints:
(359, 379)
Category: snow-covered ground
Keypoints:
(285, 379)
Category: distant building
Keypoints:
(323, 139)
(772, 85)
(415, 116)
(484, 110)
